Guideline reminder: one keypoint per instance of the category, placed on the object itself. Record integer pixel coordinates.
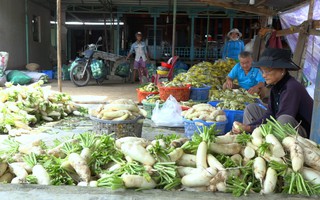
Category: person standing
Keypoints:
(141, 55)
(233, 45)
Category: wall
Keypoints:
(40, 51)
(13, 35)
(12, 32)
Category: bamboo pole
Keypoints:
(174, 27)
(59, 44)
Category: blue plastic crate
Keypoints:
(200, 94)
(49, 73)
(191, 127)
(233, 115)
(214, 103)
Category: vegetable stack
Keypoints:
(24, 106)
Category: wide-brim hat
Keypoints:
(276, 59)
(138, 33)
(235, 30)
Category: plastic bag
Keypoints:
(16, 77)
(123, 70)
(169, 115)
(98, 69)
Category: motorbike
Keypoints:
(93, 63)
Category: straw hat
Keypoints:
(276, 59)
(235, 30)
(32, 66)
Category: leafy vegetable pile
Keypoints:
(206, 73)
(25, 106)
(273, 159)
(150, 87)
(233, 99)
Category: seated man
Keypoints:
(248, 77)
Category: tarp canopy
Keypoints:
(295, 17)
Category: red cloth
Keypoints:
(274, 41)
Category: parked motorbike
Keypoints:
(90, 65)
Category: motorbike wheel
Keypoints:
(76, 75)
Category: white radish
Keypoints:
(276, 147)
(17, 180)
(221, 176)
(67, 166)
(226, 139)
(6, 178)
(270, 181)
(114, 167)
(248, 152)
(83, 184)
(257, 138)
(214, 163)
(93, 183)
(18, 170)
(254, 147)
(297, 158)
(183, 171)
(41, 174)
(80, 166)
(136, 181)
(138, 153)
(222, 187)
(311, 158)
(311, 175)
(201, 159)
(187, 160)
(259, 168)
(225, 149)
(236, 158)
(123, 140)
(199, 179)
(3, 168)
(160, 141)
(176, 154)
(86, 154)
(268, 157)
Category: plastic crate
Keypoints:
(119, 129)
(191, 127)
(149, 108)
(179, 93)
(200, 94)
(143, 95)
(214, 103)
(49, 73)
(233, 115)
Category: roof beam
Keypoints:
(243, 8)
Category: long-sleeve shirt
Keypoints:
(140, 49)
(232, 49)
(289, 97)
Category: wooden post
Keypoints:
(300, 51)
(174, 27)
(59, 44)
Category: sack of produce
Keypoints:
(17, 77)
(98, 69)
(169, 115)
(123, 70)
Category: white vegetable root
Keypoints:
(41, 174)
(143, 142)
(248, 152)
(276, 147)
(18, 170)
(176, 154)
(225, 149)
(3, 168)
(226, 139)
(311, 175)
(257, 138)
(183, 171)
(201, 159)
(259, 168)
(187, 160)
(138, 153)
(270, 181)
(80, 166)
(214, 163)
(199, 179)
(136, 181)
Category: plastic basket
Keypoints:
(149, 108)
(214, 103)
(49, 73)
(191, 127)
(200, 94)
(143, 95)
(119, 129)
(233, 115)
(179, 93)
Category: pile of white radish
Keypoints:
(262, 162)
(205, 112)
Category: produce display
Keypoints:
(173, 84)
(274, 159)
(204, 112)
(153, 99)
(118, 110)
(206, 73)
(25, 106)
(150, 87)
(233, 99)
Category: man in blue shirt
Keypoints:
(248, 77)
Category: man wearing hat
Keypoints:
(140, 50)
(289, 101)
(233, 45)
